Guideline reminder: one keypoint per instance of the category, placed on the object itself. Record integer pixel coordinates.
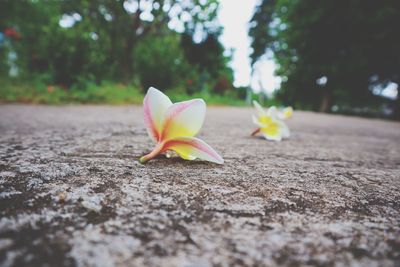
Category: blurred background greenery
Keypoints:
(331, 56)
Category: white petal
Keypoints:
(260, 110)
(256, 121)
(277, 138)
(284, 129)
(273, 112)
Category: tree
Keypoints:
(329, 52)
(160, 61)
(208, 56)
(96, 39)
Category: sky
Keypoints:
(234, 16)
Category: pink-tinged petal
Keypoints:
(191, 148)
(184, 119)
(155, 105)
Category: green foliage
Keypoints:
(160, 62)
(106, 92)
(352, 43)
(229, 98)
(111, 51)
(125, 41)
(208, 57)
(262, 34)
(38, 92)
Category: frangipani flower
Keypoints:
(173, 127)
(269, 124)
(286, 113)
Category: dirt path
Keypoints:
(73, 193)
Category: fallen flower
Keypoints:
(269, 124)
(173, 127)
(286, 113)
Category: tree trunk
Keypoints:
(326, 101)
(396, 113)
(127, 59)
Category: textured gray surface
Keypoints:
(73, 193)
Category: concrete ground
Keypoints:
(72, 192)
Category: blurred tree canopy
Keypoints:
(149, 42)
(329, 52)
(212, 64)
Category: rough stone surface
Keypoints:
(72, 192)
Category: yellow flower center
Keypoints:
(269, 126)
